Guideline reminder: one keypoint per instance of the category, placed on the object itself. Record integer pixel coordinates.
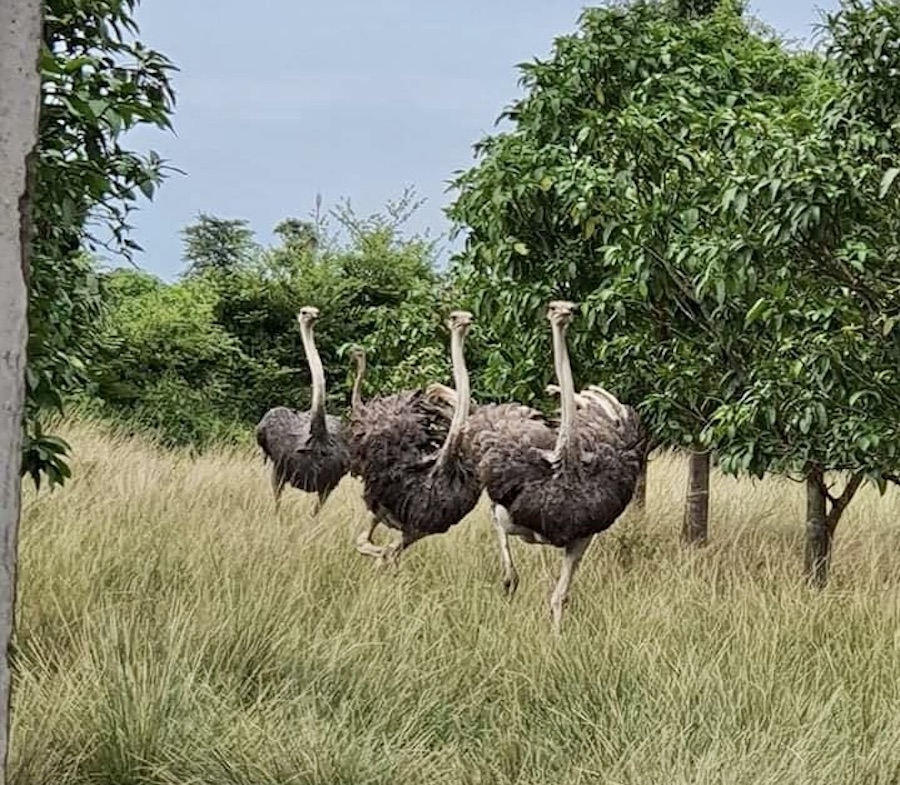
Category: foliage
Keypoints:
(713, 202)
(98, 82)
(217, 245)
(203, 358)
(166, 364)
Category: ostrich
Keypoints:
(359, 357)
(417, 472)
(557, 484)
(308, 450)
(357, 409)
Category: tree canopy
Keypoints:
(722, 208)
(98, 81)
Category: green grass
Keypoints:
(173, 630)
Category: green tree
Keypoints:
(219, 245)
(702, 192)
(298, 235)
(202, 359)
(604, 193)
(165, 364)
(823, 393)
(362, 278)
(98, 82)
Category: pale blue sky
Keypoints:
(279, 100)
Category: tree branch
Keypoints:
(840, 504)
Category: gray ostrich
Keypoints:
(308, 450)
(358, 354)
(417, 472)
(556, 483)
(357, 411)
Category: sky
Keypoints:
(279, 100)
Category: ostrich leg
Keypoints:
(364, 542)
(277, 486)
(571, 559)
(501, 521)
(391, 553)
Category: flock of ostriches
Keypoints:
(425, 456)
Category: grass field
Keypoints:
(173, 630)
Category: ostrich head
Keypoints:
(561, 312)
(308, 315)
(357, 353)
(460, 320)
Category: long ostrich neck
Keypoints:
(356, 394)
(317, 406)
(566, 389)
(462, 401)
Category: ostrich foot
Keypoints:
(510, 583)
(364, 542)
(389, 559)
(391, 554)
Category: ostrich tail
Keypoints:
(440, 393)
(263, 443)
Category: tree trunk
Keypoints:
(20, 36)
(821, 522)
(818, 537)
(695, 526)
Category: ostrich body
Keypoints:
(557, 483)
(308, 450)
(417, 472)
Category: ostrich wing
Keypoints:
(405, 422)
(282, 431)
(568, 496)
(604, 420)
(394, 445)
(307, 460)
(511, 424)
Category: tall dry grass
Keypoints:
(173, 630)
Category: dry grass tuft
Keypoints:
(173, 630)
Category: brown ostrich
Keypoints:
(308, 450)
(556, 483)
(417, 473)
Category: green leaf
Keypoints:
(756, 311)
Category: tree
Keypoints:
(607, 192)
(164, 363)
(202, 359)
(713, 201)
(20, 36)
(823, 395)
(98, 82)
(220, 245)
(299, 236)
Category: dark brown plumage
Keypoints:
(417, 473)
(557, 482)
(308, 450)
